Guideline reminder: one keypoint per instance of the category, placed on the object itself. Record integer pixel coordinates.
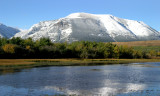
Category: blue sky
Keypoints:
(24, 13)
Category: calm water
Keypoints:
(137, 79)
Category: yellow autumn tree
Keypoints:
(28, 47)
(9, 48)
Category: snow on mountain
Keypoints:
(91, 27)
(7, 32)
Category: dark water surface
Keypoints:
(136, 79)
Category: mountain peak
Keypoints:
(80, 15)
(91, 16)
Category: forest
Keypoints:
(18, 48)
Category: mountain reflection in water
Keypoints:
(108, 80)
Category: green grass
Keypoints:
(147, 48)
(140, 43)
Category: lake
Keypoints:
(135, 79)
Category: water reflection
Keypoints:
(83, 80)
(12, 91)
(104, 91)
(4, 71)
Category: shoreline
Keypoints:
(31, 63)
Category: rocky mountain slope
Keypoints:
(91, 27)
(7, 32)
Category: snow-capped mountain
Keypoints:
(84, 26)
(7, 32)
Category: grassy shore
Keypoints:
(30, 63)
(16, 65)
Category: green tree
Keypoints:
(152, 53)
(116, 52)
(3, 41)
(45, 41)
(28, 42)
(137, 54)
(84, 53)
(126, 52)
(16, 40)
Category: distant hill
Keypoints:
(7, 32)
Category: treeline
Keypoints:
(44, 48)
